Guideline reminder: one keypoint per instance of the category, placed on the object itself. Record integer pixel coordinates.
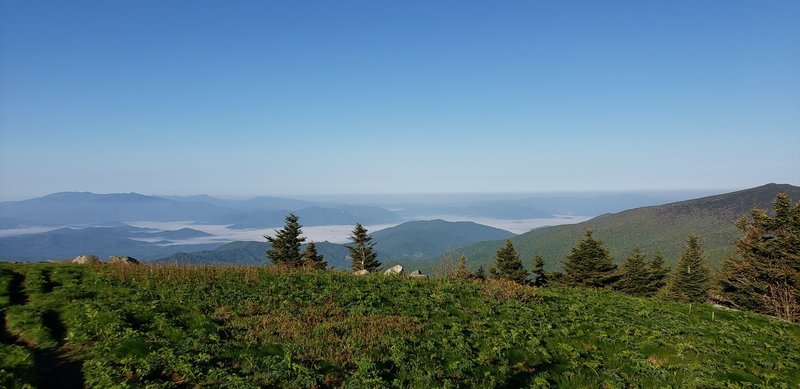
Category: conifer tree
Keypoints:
(480, 274)
(312, 259)
(462, 271)
(285, 250)
(690, 281)
(659, 274)
(362, 252)
(539, 276)
(508, 265)
(634, 275)
(589, 264)
(764, 274)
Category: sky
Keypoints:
(244, 98)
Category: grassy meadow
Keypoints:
(246, 327)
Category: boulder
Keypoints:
(394, 270)
(123, 260)
(361, 272)
(417, 274)
(86, 260)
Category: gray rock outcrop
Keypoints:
(122, 260)
(417, 274)
(361, 272)
(394, 270)
(86, 260)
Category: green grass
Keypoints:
(166, 326)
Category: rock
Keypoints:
(417, 274)
(394, 270)
(361, 272)
(124, 260)
(86, 260)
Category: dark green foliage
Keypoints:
(589, 264)
(249, 327)
(659, 274)
(689, 282)
(507, 265)
(312, 259)
(285, 250)
(480, 274)
(764, 276)
(635, 277)
(363, 251)
(540, 278)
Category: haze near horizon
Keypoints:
(356, 97)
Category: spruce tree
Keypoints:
(507, 265)
(285, 250)
(539, 276)
(462, 271)
(634, 275)
(362, 252)
(312, 259)
(589, 264)
(659, 274)
(690, 281)
(480, 274)
(764, 273)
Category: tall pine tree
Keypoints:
(589, 264)
(659, 274)
(312, 259)
(285, 250)
(634, 275)
(362, 252)
(507, 265)
(764, 274)
(690, 281)
(539, 276)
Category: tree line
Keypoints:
(763, 274)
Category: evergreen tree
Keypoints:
(658, 274)
(462, 271)
(634, 275)
(539, 275)
(690, 281)
(480, 274)
(285, 250)
(312, 259)
(589, 264)
(764, 274)
(508, 265)
(363, 253)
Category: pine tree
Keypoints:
(634, 275)
(539, 276)
(508, 265)
(480, 274)
(764, 274)
(690, 281)
(312, 259)
(462, 271)
(363, 253)
(589, 264)
(659, 274)
(285, 250)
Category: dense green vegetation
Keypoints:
(661, 228)
(169, 326)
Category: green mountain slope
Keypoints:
(663, 227)
(417, 240)
(254, 253)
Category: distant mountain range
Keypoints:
(663, 228)
(406, 243)
(141, 243)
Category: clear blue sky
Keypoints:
(300, 97)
